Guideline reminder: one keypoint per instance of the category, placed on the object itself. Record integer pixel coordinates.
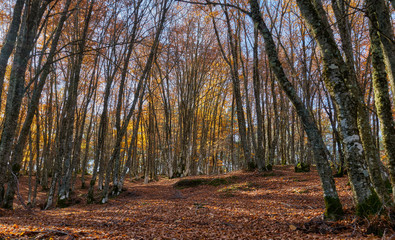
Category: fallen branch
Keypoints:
(297, 206)
(61, 232)
(18, 193)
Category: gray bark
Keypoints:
(138, 95)
(381, 94)
(333, 206)
(118, 181)
(236, 91)
(25, 43)
(378, 10)
(371, 151)
(66, 125)
(260, 152)
(17, 157)
(335, 75)
(9, 42)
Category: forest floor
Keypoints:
(241, 205)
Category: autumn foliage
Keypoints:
(281, 204)
(197, 119)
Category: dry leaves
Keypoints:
(279, 205)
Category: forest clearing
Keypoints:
(280, 204)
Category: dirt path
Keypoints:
(277, 205)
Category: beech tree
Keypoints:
(335, 75)
(25, 42)
(104, 92)
(379, 46)
(332, 202)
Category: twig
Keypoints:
(61, 232)
(292, 205)
(216, 4)
(18, 193)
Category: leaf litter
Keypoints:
(248, 205)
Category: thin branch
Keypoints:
(209, 3)
(18, 193)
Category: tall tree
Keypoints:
(381, 91)
(25, 43)
(335, 75)
(163, 8)
(9, 42)
(33, 109)
(332, 202)
(370, 149)
(64, 138)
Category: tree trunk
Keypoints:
(332, 202)
(371, 152)
(9, 42)
(33, 109)
(260, 152)
(233, 64)
(335, 73)
(379, 12)
(25, 43)
(139, 93)
(67, 122)
(382, 96)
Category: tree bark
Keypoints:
(335, 73)
(260, 152)
(25, 43)
(233, 64)
(332, 202)
(138, 96)
(371, 151)
(9, 42)
(17, 157)
(378, 11)
(381, 94)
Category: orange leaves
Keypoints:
(292, 227)
(252, 206)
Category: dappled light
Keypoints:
(197, 119)
(268, 208)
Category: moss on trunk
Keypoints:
(62, 203)
(370, 206)
(302, 167)
(333, 208)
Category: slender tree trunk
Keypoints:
(9, 42)
(332, 202)
(25, 43)
(382, 96)
(138, 95)
(276, 123)
(259, 157)
(33, 109)
(379, 12)
(67, 123)
(335, 73)
(371, 152)
(136, 17)
(132, 151)
(233, 64)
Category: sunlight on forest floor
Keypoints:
(283, 205)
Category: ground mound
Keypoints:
(242, 205)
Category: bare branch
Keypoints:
(209, 3)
